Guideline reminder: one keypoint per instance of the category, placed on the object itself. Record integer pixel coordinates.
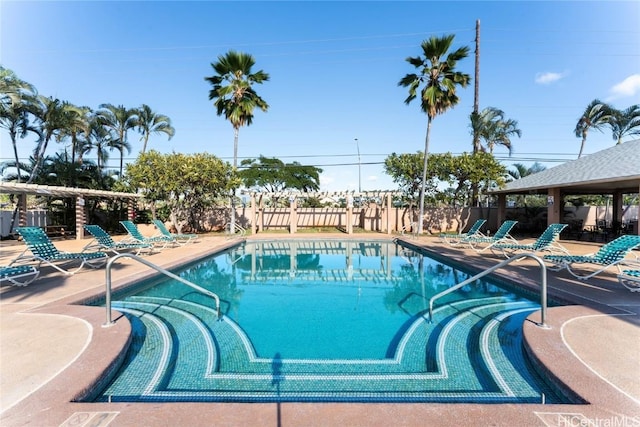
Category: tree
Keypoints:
(274, 175)
(235, 98)
(468, 171)
(520, 170)
(439, 81)
(13, 90)
(491, 126)
(462, 173)
(54, 117)
(595, 116)
(187, 183)
(150, 122)
(406, 171)
(100, 139)
(15, 118)
(59, 170)
(78, 123)
(624, 122)
(119, 120)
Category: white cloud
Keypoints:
(626, 88)
(549, 77)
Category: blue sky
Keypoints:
(334, 69)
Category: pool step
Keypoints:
(219, 362)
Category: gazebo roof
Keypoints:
(610, 170)
(50, 190)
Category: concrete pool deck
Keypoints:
(51, 350)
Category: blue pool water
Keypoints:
(325, 320)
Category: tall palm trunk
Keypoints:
(424, 175)
(121, 163)
(144, 143)
(40, 150)
(13, 135)
(584, 140)
(15, 153)
(232, 220)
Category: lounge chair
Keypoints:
(180, 238)
(547, 242)
(103, 241)
(135, 236)
(502, 236)
(20, 275)
(629, 277)
(44, 251)
(609, 255)
(454, 238)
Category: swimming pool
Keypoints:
(325, 320)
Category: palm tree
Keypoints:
(439, 81)
(78, 124)
(13, 89)
(521, 170)
(595, 116)
(54, 117)
(625, 122)
(17, 100)
(491, 126)
(100, 139)
(119, 120)
(150, 122)
(235, 98)
(15, 118)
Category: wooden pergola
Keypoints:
(614, 171)
(80, 194)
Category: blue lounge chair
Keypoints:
(135, 236)
(629, 277)
(547, 242)
(609, 255)
(44, 251)
(454, 238)
(482, 243)
(19, 275)
(180, 238)
(103, 241)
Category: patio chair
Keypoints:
(454, 238)
(502, 236)
(44, 251)
(103, 241)
(135, 236)
(609, 255)
(630, 277)
(547, 242)
(19, 275)
(180, 238)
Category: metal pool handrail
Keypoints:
(238, 227)
(543, 290)
(109, 322)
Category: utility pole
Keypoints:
(476, 95)
(359, 170)
(476, 107)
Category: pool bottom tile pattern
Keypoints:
(471, 351)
